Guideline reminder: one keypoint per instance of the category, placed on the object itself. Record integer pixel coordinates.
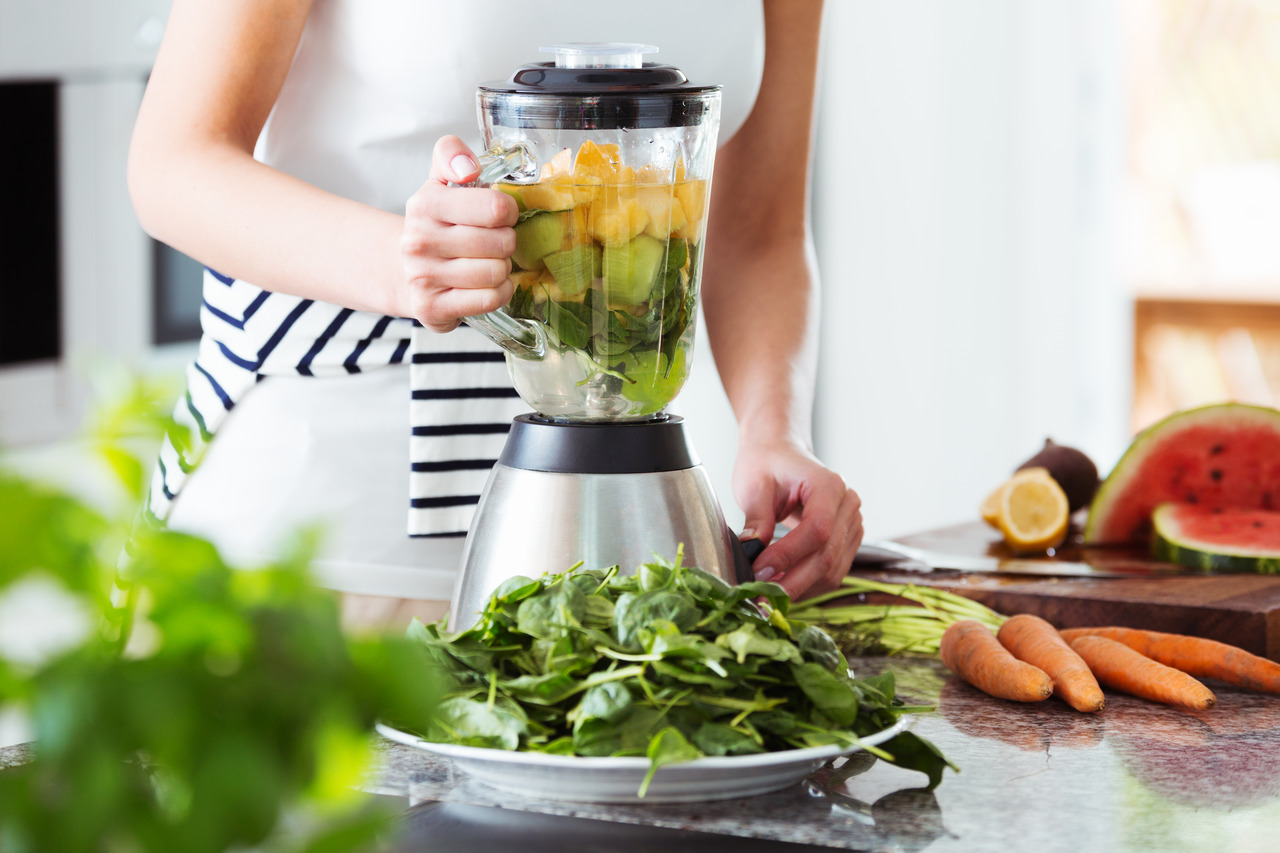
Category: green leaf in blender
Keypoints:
(677, 257)
(654, 377)
(569, 325)
(537, 237)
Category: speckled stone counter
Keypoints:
(1137, 777)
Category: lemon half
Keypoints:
(1030, 509)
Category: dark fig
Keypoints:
(1071, 468)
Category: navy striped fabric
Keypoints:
(460, 407)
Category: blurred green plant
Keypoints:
(206, 708)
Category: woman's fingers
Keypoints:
(431, 238)
(483, 208)
(463, 273)
(826, 520)
(821, 570)
(441, 310)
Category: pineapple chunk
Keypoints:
(524, 278)
(616, 223)
(665, 213)
(582, 190)
(579, 230)
(652, 173)
(693, 198)
(692, 231)
(547, 195)
(561, 164)
(596, 163)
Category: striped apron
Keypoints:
(460, 410)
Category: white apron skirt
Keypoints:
(323, 451)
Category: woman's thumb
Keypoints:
(453, 161)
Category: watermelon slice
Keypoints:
(1219, 457)
(1225, 540)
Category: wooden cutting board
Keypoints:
(1243, 610)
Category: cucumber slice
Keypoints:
(631, 270)
(537, 237)
(575, 268)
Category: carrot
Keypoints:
(1116, 665)
(971, 651)
(1033, 640)
(1195, 656)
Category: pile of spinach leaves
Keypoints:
(669, 662)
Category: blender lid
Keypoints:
(597, 85)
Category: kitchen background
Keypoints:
(1055, 218)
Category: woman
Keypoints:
(321, 267)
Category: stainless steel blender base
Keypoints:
(530, 522)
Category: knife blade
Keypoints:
(890, 554)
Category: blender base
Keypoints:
(598, 493)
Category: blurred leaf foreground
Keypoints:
(193, 706)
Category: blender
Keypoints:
(609, 159)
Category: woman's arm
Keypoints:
(196, 186)
(760, 298)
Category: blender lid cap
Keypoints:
(584, 54)
(604, 68)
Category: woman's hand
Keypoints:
(457, 243)
(784, 484)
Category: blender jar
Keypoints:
(614, 159)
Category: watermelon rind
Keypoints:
(1120, 513)
(1172, 542)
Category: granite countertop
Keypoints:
(1138, 776)
(1042, 777)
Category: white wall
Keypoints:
(968, 153)
(967, 157)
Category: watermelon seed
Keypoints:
(1216, 474)
(1192, 498)
(1257, 524)
(1216, 449)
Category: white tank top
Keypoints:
(376, 82)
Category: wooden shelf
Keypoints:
(1255, 293)
(1196, 348)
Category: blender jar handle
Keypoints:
(521, 338)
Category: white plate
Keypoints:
(617, 780)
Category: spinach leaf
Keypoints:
(552, 612)
(746, 641)
(472, 722)
(719, 739)
(817, 646)
(667, 747)
(609, 702)
(912, 752)
(829, 692)
(647, 608)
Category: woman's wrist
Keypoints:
(768, 424)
